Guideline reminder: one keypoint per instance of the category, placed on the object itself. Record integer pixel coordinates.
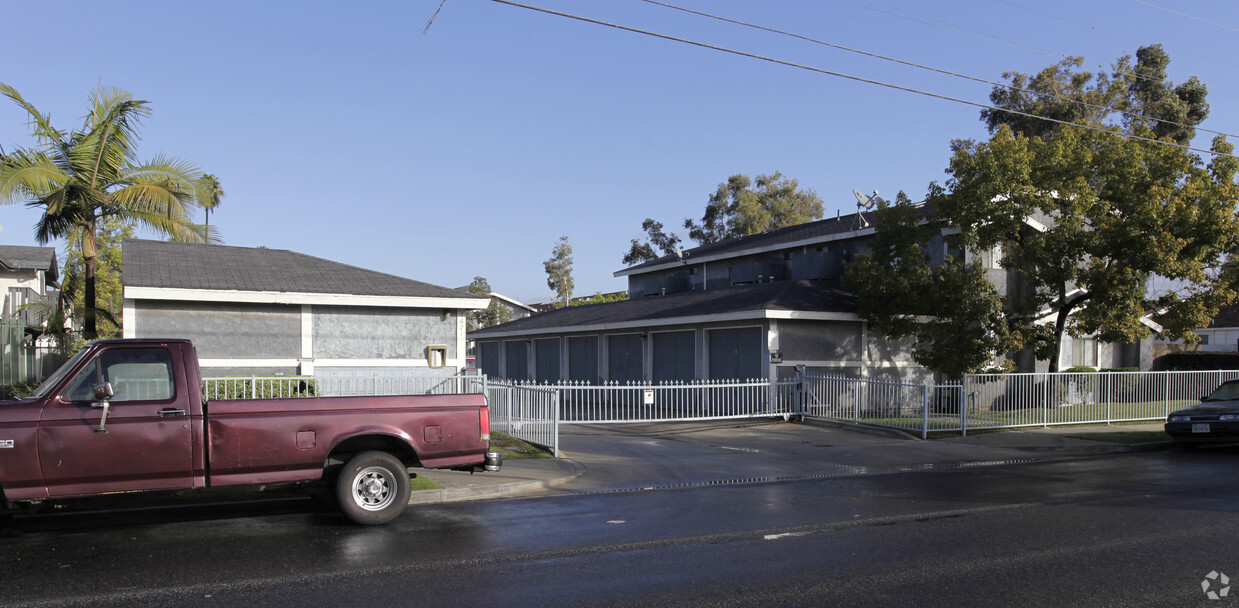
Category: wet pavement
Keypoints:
(599, 458)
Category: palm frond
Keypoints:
(28, 173)
(41, 123)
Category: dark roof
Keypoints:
(20, 257)
(1227, 316)
(194, 266)
(797, 296)
(792, 234)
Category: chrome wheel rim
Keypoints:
(374, 488)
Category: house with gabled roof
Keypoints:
(759, 306)
(27, 275)
(263, 311)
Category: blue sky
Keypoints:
(340, 130)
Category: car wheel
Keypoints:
(373, 488)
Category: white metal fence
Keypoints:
(989, 401)
(534, 413)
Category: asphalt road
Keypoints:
(1130, 530)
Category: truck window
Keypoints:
(136, 374)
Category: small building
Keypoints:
(267, 311)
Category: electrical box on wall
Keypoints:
(436, 356)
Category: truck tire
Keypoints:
(373, 488)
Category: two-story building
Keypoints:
(751, 307)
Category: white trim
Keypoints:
(280, 297)
(129, 319)
(307, 332)
(637, 326)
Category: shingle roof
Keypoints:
(20, 257)
(821, 229)
(795, 296)
(218, 267)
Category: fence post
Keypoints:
(253, 387)
(925, 412)
(555, 401)
(963, 405)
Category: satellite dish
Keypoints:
(865, 200)
(679, 254)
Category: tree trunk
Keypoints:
(90, 251)
(90, 329)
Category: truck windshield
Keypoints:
(55, 378)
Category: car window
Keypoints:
(1227, 392)
(136, 374)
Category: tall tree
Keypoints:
(559, 272)
(495, 312)
(1085, 218)
(737, 208)
(210, 194)
(655, 237)
(78, 178)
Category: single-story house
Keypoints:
(264, 311)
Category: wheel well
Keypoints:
(355, 445)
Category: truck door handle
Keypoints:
(171, 412)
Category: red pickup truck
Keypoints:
(129, 415)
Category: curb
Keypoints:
(446, 495)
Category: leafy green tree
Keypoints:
(559, 272)
(1085, 218)
(81, 177)
(600, 298)
(109, 291)
(949, 312)
(738, 208)
(655, 237)
(494, 314)
(1137, 94)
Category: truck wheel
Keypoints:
(373, 488)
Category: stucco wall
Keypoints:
(381, 333)
(818, 341)
(222, 330)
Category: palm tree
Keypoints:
(80, 177)
(210, 194)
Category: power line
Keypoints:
(925, 67)
(1174, 12)
(847, 76)
(938, 23)
(1122, 35)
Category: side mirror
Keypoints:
(103, 392)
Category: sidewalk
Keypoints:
(531, 475)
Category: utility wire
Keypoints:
(1122, 35)
(926, 67)
(1174, 12)
(846, 76)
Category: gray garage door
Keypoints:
(674, 359)
(735, 354)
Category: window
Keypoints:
(136, 374)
